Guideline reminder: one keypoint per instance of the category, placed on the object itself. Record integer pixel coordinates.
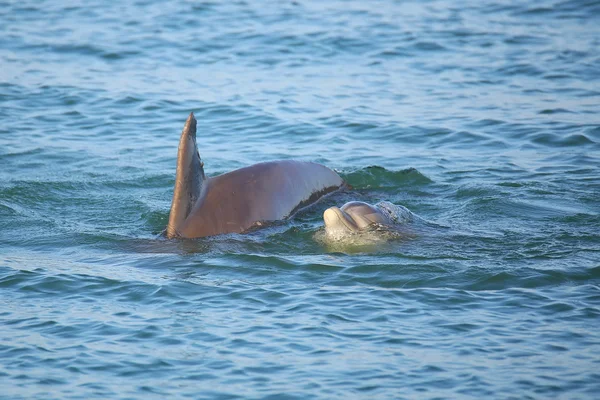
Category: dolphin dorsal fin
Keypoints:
(189, 178)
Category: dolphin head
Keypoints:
(354, 216)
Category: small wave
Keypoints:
(549, 111)
(520, 69)
(581, 9)
(347, 44)
(376, 177)
(553, 140)
(529, 278)
(526, 40)
(429, 46)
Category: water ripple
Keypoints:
(481, 118)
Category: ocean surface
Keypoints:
(482, 117)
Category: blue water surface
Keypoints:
(481, 116)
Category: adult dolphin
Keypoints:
(242, 199)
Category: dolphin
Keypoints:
(240, 200)
(357, 216)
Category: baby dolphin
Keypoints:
(239, 200)
(357, 216)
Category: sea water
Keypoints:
(480, 116)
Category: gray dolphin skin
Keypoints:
(354, 216)
(239, 200)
